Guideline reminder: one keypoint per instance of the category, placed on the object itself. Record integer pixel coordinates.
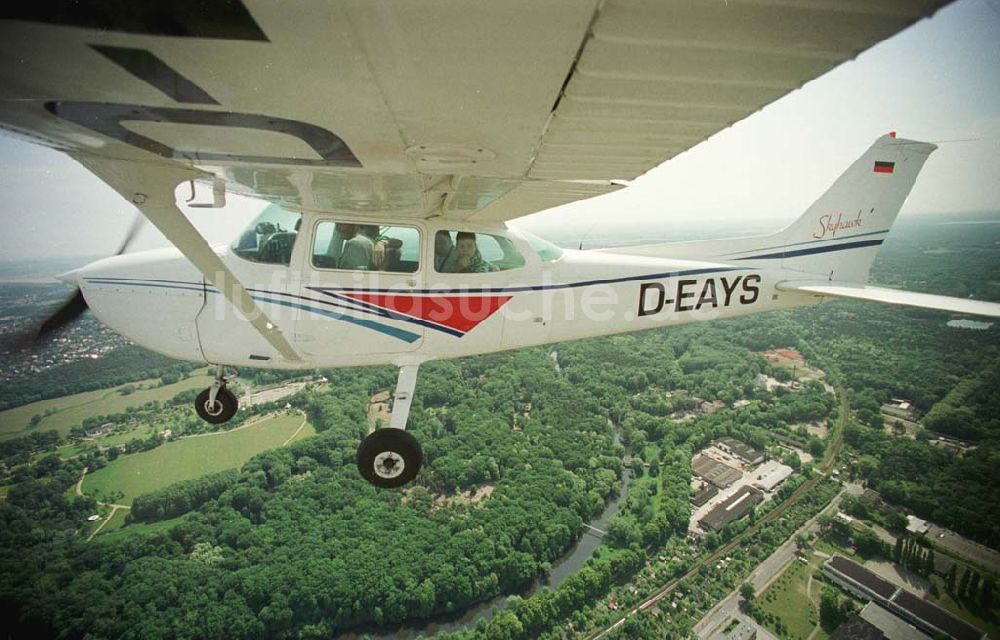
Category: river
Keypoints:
(564, 567)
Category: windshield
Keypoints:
(270, 237)
(547, 251)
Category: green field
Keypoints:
(70, 411)
(116, 529)
(191, 457)
(66, 451)
(116, 522)
(116, 439)
(788, 600)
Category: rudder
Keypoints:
(839, 236)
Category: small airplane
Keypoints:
(387, 242)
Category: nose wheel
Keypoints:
(389, 458)
(216, 404)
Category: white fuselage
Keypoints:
(337, 318)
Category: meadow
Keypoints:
(69, 411)
(191, 457)
(788, 598)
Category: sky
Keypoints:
(938, 81)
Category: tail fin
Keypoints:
(834, 243)
(838, 237)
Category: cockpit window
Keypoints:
(467, 252)
(270, 237)
(547, 251)
(366, 247)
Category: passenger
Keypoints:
(466, 257)
(443, 247)
(350, 249)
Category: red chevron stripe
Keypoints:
(462, 313)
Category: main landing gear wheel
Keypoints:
(389, 458)
(222, 410)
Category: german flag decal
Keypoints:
(884, 167)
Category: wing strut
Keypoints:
(150, 187)
(403, 398)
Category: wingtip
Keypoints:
(70, 277)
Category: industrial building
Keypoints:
(743, 451)
(857, 580)
(731, 509)
(927, 617)
(903, 409)
(772, 480)
(892, 626)
(856, 628)
(703, 495)
(721, 475)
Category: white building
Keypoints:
(772, 479)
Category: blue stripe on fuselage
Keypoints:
(815, 250)
(400, 334)
(798, 244)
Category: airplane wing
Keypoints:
(855, 291)
(417, 108)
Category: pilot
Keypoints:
(350, 249)
(380, 244)
(466, 257)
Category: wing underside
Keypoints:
(894, 296)
(415, 109)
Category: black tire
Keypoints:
(384, 470)
(225, 407)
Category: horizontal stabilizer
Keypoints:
(894, 296)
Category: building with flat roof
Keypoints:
(731, 509)
(703, 495)
(856, 628)
(770, 481)
(916, 525)
(101, 430)
(854, 578)
(925, 616)
(901, 409)
(721, 475)
(892, 626)
(932, 618)
(741, 450)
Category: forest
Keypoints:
(298, 543)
